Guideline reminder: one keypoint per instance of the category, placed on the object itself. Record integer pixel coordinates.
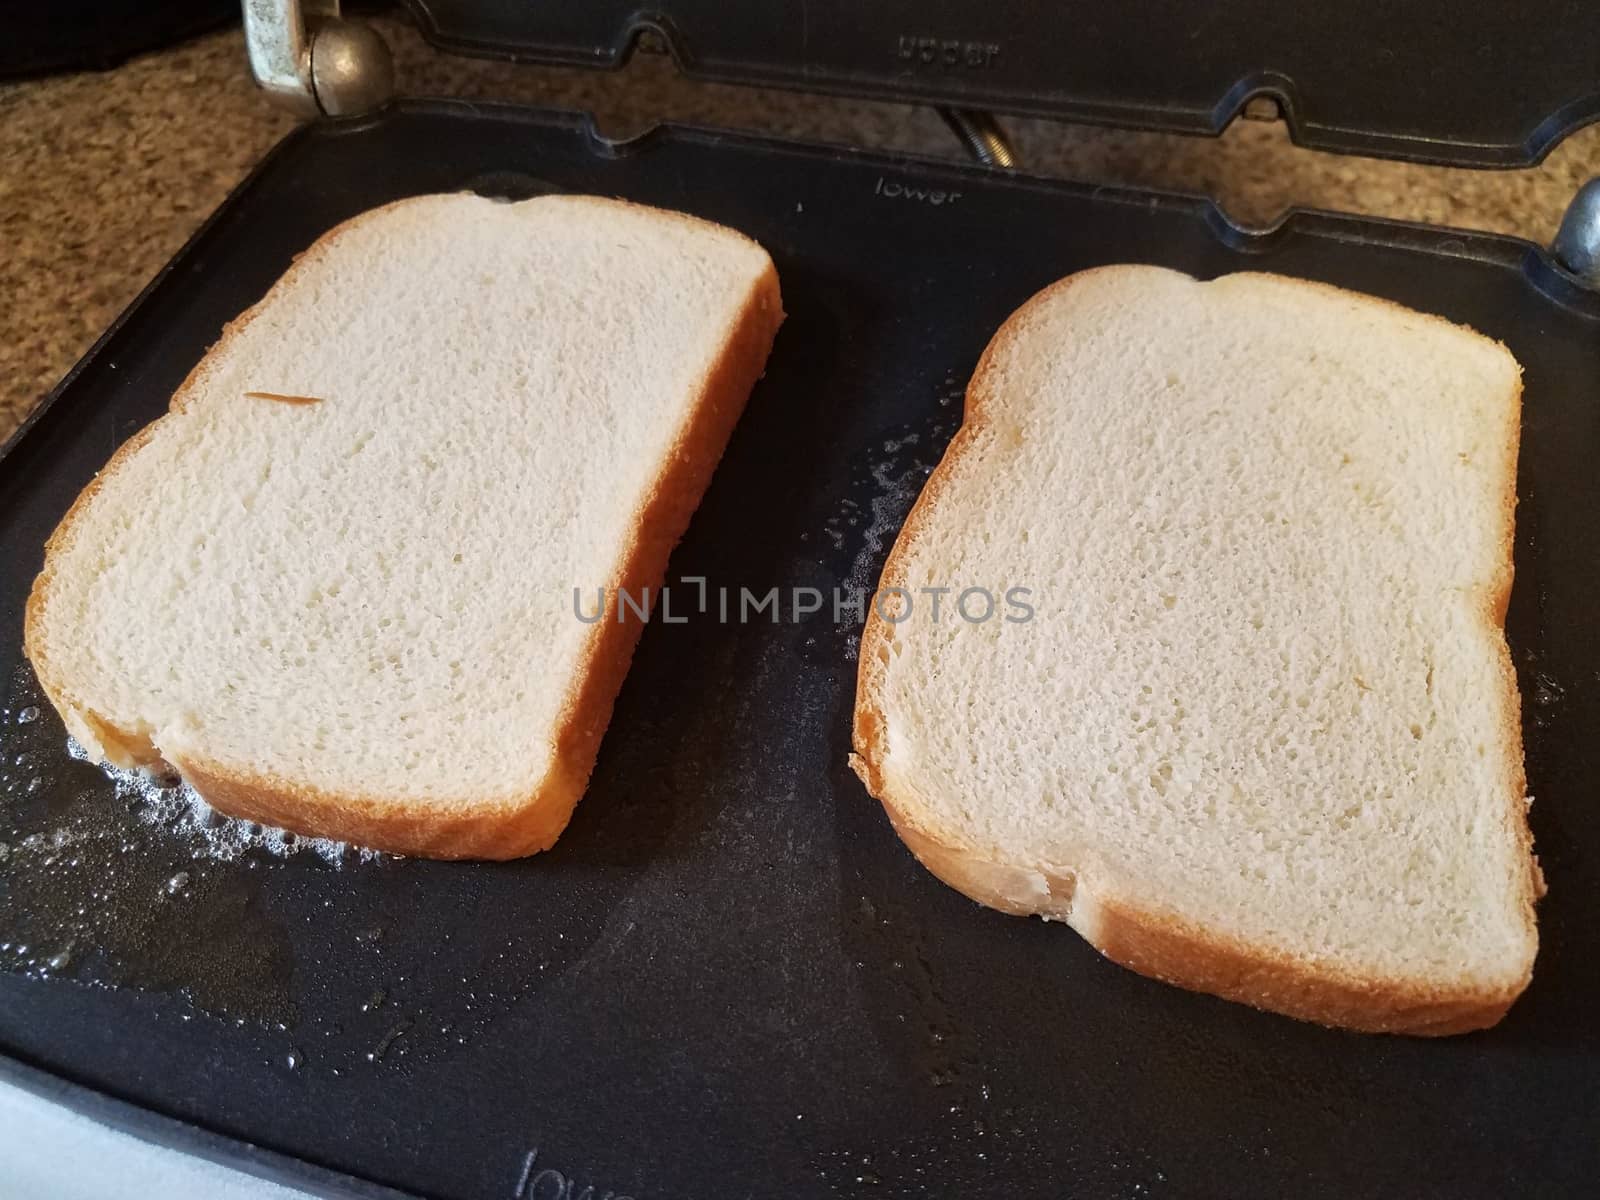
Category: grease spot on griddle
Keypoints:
(110, 880)
(91, 892)
(168, 802)
(884, 483)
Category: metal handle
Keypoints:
(310, 61)
(982, 135)
(1577, 244)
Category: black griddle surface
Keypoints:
(729, 978)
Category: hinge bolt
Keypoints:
(1577, 244)
(352, 71)
(982, 135)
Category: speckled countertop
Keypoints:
(103, 176)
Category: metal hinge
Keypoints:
(1577, 244)
(311, 61)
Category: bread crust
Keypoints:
(506, 827)
(1163, 945)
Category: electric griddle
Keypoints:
(729, 978)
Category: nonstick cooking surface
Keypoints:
(729, 978)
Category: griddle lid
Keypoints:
(1489, 85)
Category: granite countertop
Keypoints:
(106, 174)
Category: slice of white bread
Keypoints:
(333, 587)
(1261, 737)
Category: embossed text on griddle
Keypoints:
(536, 1182)
(925, 50)
(899, 189)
